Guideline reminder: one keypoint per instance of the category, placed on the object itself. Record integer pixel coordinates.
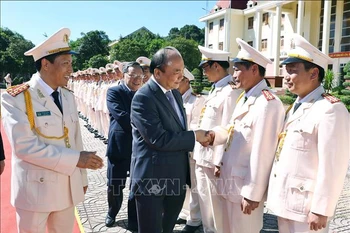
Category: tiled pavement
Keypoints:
(93, 210)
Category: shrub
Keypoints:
(345, 92)
(345, 99)
(346, 84)
(288, 100)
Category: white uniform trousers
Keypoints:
(236, 222)
(209, 200)
(290, 226)
(190, 209)
(37, 222)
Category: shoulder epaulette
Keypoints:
(68, 89)
(17, 89)
(197, 95)
(332, 99)
(268, 95)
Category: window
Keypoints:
(263, 45)
(250, 22)
(282, 42)
(211, 26)
(221, 46)
(266, 18)
(250, 43)
(222, 21)
(210, 46)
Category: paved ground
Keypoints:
(93, 210)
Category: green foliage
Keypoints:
(328, 81)
(12, 59)
(345, 92)
(286, 99)
(345, 99)
(188, 50)
(197, 82)
(154, 46)
(90, 44)
(97, 61)
(346, 77)
(190, 32)
(127, 50)
(17, 80)
(290, 94)
(346, 84)
(337, 90)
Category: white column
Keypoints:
(300, 17)
(326, 25)
(337, 39)
(227, 26)
(206, 35)
(277, 38)
(338, 24)
(258, 29)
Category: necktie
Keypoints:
(296, 106)
(56, 100)
(212, 88)
(245, 99)
(170, 97)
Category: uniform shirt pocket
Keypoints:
(39, 185)
(302, 136)
(299, 195)
(244, 128)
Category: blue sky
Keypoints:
(32, 19)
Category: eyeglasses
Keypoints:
(206, 65)
(135, 76)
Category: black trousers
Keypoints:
(158, 214)
(117, 174)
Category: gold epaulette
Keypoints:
(67, 89)
(17, 89)
(268, 95)
(332, 99)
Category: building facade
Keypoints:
(268, 25)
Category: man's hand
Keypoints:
(217, 171)
(2, 166)
(89, 160)
(317, 221)
(247, 206)
(205, 138)
(85, 189)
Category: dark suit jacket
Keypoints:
(2, 153)
(160, 142)
(119, 137)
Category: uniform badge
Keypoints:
(40, 94)
(268, 95)
(332, 99)
(44, 113)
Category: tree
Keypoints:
(328, 81)
(197, 82)
(173, 33)
(12, 59)
(90, 44)
(154, 46)
(188, 49)
(192, 32)
(97, 61)
(127, 50)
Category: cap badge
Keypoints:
(292, 44)
(65, 38)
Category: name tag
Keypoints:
(45, 113)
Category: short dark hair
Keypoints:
(248, 64)
(309, 65)
(131, 64)
(161, 58)
(51, 58)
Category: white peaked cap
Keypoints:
(56, 43)
(248, 53)
(302, 50)
(144, 61)
(213, 55)
(188, 74)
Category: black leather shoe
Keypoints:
(188, 229)
(181, 221)
(109, 221)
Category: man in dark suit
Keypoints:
(161, 142)
(119, 142)
(2, 156)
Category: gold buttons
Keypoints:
(301, 188)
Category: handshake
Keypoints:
(204, 137)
